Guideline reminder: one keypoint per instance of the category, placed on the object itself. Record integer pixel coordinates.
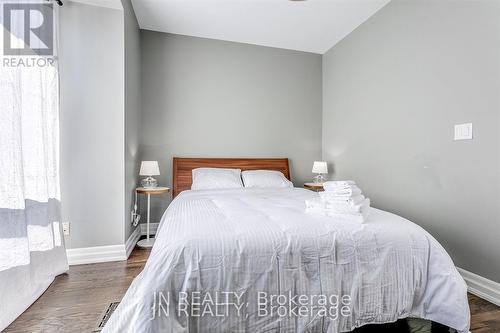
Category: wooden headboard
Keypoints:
(182, 169)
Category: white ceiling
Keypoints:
(311, 25)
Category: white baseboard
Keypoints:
(92, 255)
(97, 254)
(481, 287)
(132, 240)
(153, 227)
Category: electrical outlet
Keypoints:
(135, 217)
(463, 131)
(65, 227)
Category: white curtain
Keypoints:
(31, 244)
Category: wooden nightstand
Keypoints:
(148, 242)
(316, 187)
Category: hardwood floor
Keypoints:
(485, 317)
(75, 301)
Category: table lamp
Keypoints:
(320, 168)
(149, 168)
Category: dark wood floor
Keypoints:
(485, 316)
(75, 301)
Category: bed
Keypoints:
(252, 260)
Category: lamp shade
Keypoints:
(320, 167)
(149, 168)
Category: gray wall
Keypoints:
(132, 108)
(210, 98)
(92, 124)
(392, 91)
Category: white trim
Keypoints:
(97, 254)
(112, 4)
(132, 240)
(481, 287)
(91, 255)
(153, 227)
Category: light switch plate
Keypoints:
(463, 131)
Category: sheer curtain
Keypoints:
(31, 244)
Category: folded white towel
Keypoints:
(347, 207)
(315, 203)
(356, 213)
(349, 191)
(338, 183)
(334, 198)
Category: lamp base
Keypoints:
(149, 182)
(319, 179)
(146, 243)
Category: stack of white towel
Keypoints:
(342, 199)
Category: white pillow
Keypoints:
(265, 178)
(216, 178)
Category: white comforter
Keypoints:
(234, 245)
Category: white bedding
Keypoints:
(246, 241)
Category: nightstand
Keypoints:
(148, 242)
(316, 187)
